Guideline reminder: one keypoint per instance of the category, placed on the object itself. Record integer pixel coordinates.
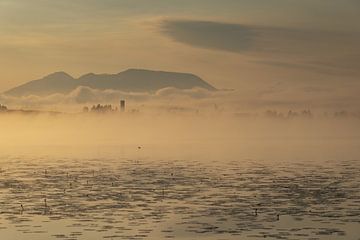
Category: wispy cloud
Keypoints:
(86, 95)
(279, 96)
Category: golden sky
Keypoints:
(241, 44)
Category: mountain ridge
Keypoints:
(130, 80)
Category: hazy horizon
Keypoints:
(278, 50)
(179, 119)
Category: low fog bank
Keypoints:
(183, 135)
(281, 123)
(281, 97)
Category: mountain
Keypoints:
(132, 80)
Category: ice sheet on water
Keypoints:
(132, 199)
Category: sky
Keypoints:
(277, 50)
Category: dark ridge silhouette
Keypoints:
(59, 82)
(132, 80)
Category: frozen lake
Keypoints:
(136, 193)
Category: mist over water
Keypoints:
(229, 136)
(181, 119)
(178, 175)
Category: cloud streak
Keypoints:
(210, 35)
(313, 50)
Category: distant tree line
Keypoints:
(3, 108)
(289, 114)
(308, 114)
(100, 108)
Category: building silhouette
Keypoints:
(122, 105)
